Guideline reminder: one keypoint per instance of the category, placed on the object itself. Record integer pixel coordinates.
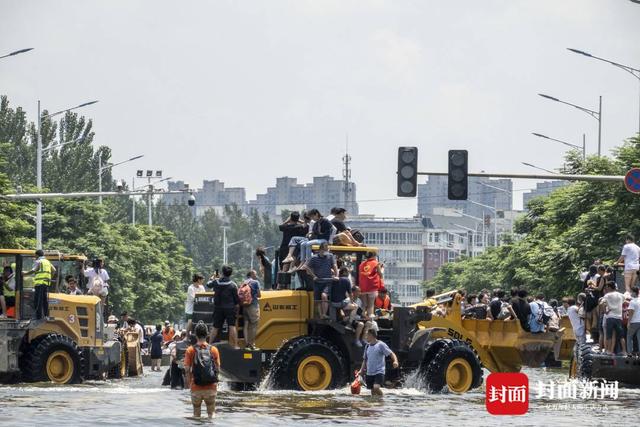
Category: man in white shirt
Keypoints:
(196, 287)
(135, 327)
(633, 328)
(630, 257)
(97, 279)
(573, 312)
(613, 326)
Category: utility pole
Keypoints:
(39, 179)
(346, 173)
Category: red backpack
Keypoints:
(244, 294)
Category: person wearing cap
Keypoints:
(168, 333)
(383, 301)
(112, 320)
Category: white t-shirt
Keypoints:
(91, 273)
(635, 306)
(614, 303)
(191, 297)
(137, 328)
(631, 253)
(576, 322)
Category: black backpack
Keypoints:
(204, 369)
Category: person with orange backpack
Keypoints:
(249, 295)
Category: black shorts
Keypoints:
(222, 314)
(370, 380)
(614, 324)
(320, 288)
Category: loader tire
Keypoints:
(308, 363)
(54, 358)
(456, 366)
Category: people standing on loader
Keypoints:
(196, 286)
(323, 270)
(370, 281)
(630, 258)
(156, 349)
(613, 325)
(633, 327)
(249, 295)
(97, 279)
(577, 323)
(292, 227)
(202, 364)
(373, 362)
(43, 271)
(226, 306)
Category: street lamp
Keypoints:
(17, 52)
(495, 218)
(583, 148)
(595, 114)
(109, 166)
(538, 167)
(39, 152)
(494, 201)
(633, 71)
(134, 188)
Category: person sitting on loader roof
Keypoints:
(323, 231)
(343, 233)
(323, 270)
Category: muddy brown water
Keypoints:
(142, 401)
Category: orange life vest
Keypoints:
(383, 303)
(168, 335)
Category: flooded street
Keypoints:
(142, 401)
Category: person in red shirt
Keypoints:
(382, 300)
(200, 393)
(370, 281)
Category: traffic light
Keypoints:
(407, 171)
(458, 182)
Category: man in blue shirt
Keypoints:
(323, 270)
(535, 324)
(373, 363)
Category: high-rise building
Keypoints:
(542, 189)
(433, 195)
(323, 193)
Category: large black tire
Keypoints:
(585, 361)
(308, 363)
(54, 358)
(456, 366)
(122, 368)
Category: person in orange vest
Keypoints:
(167, 332)
(382, 300)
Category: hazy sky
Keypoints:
(245, 91)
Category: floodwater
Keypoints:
(143, 401)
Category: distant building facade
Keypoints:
(542, 189)
(433, 195)
(323, 194)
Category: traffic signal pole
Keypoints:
(555, 176)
